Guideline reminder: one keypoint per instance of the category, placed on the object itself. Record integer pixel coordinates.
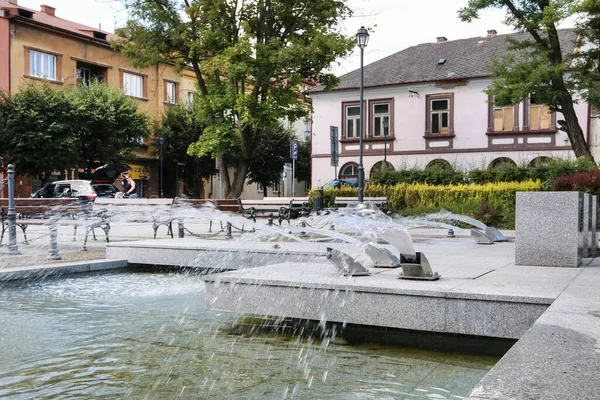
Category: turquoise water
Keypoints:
(148, 335)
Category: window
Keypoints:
(85, 76)
(133, 85)
(276, 187)
(259, 187)
(539, 115)
(381, 116)
(504, 118)
(190, 97)
(352, 121)
(171, 92)
(439, 112)
(440, 116)
(42, 65)
(351, 170)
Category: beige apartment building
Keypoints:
(40, 46)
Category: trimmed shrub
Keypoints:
(435, 175)
(588, 182)
(492, 203)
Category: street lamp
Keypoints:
(362, 39)
(161, 141)
(386, 126)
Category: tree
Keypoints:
(249, 58)
(269, 159)
(105, 123)
(536, 64)
(179, 127)
(303, 162)
(586, 70)
(45, 128)
(35, 134)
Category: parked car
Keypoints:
(338, 183)
(86, 190)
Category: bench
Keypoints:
(380, 202)
(51, 212)
(284, 206)
(223, 205)
(156, 211)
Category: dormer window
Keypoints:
(24, 13)
(100, 35)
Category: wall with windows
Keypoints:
(454, 120)
(39, 54)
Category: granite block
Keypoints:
(321, 304)
(491, 318)
(549, 229)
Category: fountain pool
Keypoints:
(132, 334)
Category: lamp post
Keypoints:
(362, 39)
(386, 126)
(162, 142)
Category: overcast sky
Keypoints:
(396, 24)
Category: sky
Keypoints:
(395, 24)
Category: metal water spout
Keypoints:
(346, 264)
(495, 234)
(381, 257)
(417, 269)
(480, 237)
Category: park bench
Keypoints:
(223, 205)
(285, 207)
(51, 212)
(155, 211)
(380, 202)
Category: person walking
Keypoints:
(129, 186)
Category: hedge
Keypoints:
(492, 203)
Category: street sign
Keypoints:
(294, 150)
(335, 155)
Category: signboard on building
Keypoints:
(334, 137)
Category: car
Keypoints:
(86, 190)
(338, 183)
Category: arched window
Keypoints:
(377, 167)
(349, 170)
(439, 163)
(502, 162)
(538, 160)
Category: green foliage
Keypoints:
(270, 157)
(43, 128)
(179, 126)
(536, 63)
(105, 123)
(436, 175)
(36, 132)
(249, 57)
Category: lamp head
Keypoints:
(362, 37)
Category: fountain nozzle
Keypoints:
(417, 268)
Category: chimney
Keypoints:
(15, 2)
(48, 10)
(441, 39)
(492, 33)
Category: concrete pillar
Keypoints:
(549, 229)
(594, 227)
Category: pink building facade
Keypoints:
(427, 104)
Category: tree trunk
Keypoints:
(239, 179)
(571, 126)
